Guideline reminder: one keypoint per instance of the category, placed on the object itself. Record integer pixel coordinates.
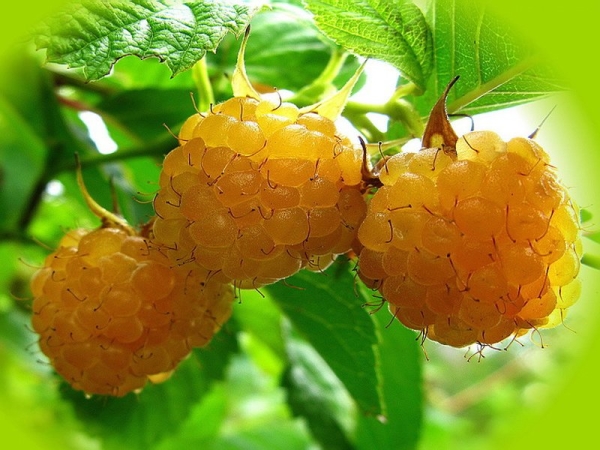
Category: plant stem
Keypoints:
(396, 109)
(402, 91)
(333, 67)
(321, 85)
(158, 147)
(206, 96)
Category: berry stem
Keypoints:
(363, 124)
(323, 84)
(206, 96)
(108, 218)
(402, 91)
(439, 131)
(396, 109)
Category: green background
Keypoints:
(567, 32)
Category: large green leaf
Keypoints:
(260, 317)
(94, 34)
(400, 366)
(496, 67)
(203, 424)
(325, 309)
(392, 31)
(144, 112)
(316, 394)
(285, 51)
(21, 151)
(139, 422)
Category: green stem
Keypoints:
(333, 67)
(156, 148)
(363, 124)
(403, 91)
(206, 96)
(321, 85)
(396, 109)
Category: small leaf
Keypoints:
(392, 31)
(203, 424)
(585, 215)
(94, 34)
(284, 37)
(326, 311)
(261, 318)
(591, 260)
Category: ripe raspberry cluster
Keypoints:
(258, 190)
(473, 246)
(470, 240)
(111, 312)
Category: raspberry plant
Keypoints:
(275, 185)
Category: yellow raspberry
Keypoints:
(472, 242)
(257, 204)
(111, 312)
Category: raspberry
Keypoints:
(472, 242)
(112, 312)
(259, 189)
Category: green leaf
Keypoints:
(316, 394)
(94, 34)
(203, 424)
(284, 38)
(139, 421)
(261, 318)
(497, 68)
(146, 111)
(326, 311)
(401, 373)
(393, 31)
(21, 152)
(269, 436)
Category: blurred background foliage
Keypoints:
(293, 369)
